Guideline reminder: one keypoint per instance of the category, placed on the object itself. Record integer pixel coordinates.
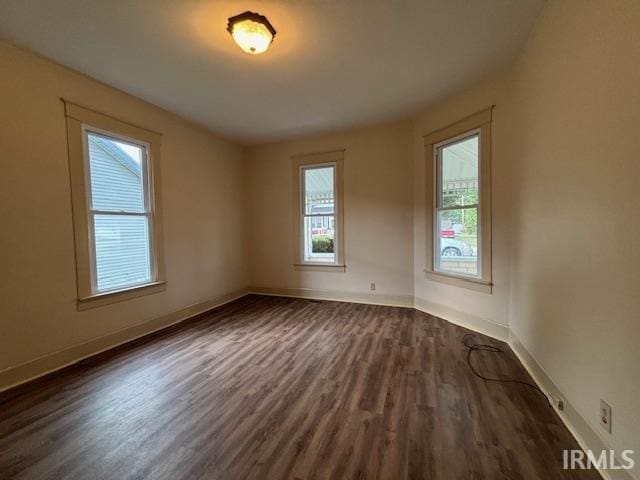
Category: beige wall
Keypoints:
(452, 302)
(377, 213)
(203, 201)
(564, 165)
(566, 262)
(576, 264)
(565, 230)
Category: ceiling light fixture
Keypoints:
(251, 31)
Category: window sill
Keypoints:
(115, 296)
(458, 281)
(319, 267)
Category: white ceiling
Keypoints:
(333, 64)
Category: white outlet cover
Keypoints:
(605, 416)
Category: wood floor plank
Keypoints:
(279, 388)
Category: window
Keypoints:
(457, 201)
(458, 174)
(119, 215)
(318, 198)
(318, 183)
(115, 181)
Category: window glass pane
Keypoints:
(319, 237)
(122, 251)
(116, 174)
(458, 241)
(318, 194)
(460, 173)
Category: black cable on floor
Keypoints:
(490, 348)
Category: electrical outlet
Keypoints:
(373, 287)
(605, 415)
(560, 403)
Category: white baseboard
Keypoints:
(37, 367)
(338, 296)
(18, 374)
(463, 319)
(478, 324)
(580, 428)
(481, 325)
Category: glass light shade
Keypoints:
(251, 36)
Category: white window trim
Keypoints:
(80, 121)
(478, 123)
(300, 163)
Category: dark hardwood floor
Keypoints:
(272, 388)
